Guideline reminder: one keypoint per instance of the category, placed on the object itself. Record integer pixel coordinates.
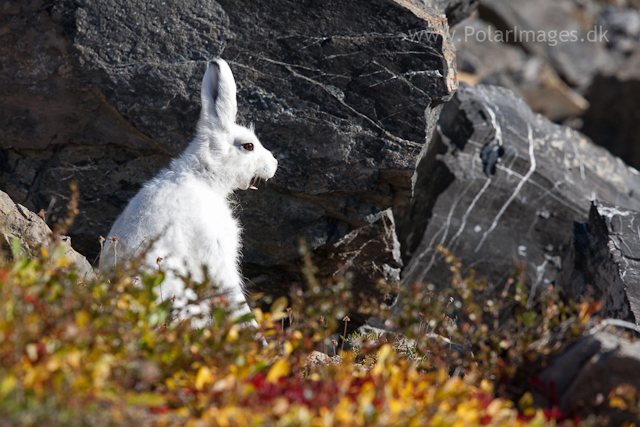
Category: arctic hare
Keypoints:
(185, 210)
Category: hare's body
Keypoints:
(184, 212)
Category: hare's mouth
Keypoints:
(251, 184)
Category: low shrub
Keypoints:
(102, 351)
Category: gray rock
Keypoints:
(623, 28)
(588, 79)
(457, 10)
(484, 60)
(518, 205)
(603, 263)
(57, 127)
(18, 222)
(147, 59)
(369, 257)
(536, 26)
(581, 379)
(344, 94)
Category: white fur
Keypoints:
(185, 209)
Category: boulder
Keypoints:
(586, 77)
(483, 59)
(536, 27)
(18, 222)
(500, 185)
(603, 263)
(613, 120)
(583, 380)
(344, 94)
(456, 10)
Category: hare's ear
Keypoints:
(219, 94)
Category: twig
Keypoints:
(102, 239)
(158, 264)
(614, 322)
(344, 337)
(115, 250)
(322, 344)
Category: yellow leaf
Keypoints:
(258, 314)
(32, 351)
(123, 304)
(486, 386)
(288, 348)
(226, 383)
(53, 364)
(396, 406)
(367, 394)
(280, 368)
(442, 376)
(383, 354)
(30, 378)
(82, 318)
(74, 358)
(277, 316)
(203, 377)
(233, 333)
(102, 370)
(526, 405)
(7, 385)
(183, 412)
(280, 406)
(279, 305)
(62, 262)
(494, 407)
(618, 402)
(539, 420)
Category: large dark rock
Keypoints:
(57, 127)
(603, 262)
(583, 380)
(501, 185)
(613, 120)
(344, 94)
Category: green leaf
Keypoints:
(219, 314)
(145, 399)
(16, 247)
(247, 317)
(259, 366)
(528, 318)
(157, 280)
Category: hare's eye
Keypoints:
(248, 146)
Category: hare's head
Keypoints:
(231, 151)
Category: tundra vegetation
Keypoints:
(103, 351)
